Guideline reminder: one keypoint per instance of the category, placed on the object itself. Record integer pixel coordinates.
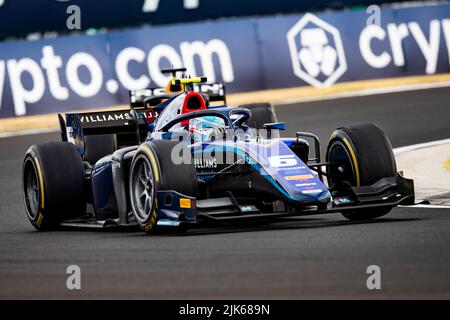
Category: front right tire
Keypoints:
(363, 154)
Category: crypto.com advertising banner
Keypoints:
(321, 50)
(77, 72)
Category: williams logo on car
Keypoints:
(316, 51)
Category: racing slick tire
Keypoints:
(366, 156)
(261, 113)
(97, 146)
(52, 184)
(153, 169)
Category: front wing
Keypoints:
(175, 209)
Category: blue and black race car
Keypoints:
(184, 162)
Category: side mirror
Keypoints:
(275, 125)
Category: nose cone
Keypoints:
(314, 195)
(292, 177)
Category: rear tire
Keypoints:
(152, 169)
(53, 184)
(365, 156)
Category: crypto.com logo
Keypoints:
(316, 50)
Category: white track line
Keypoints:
(418, 146)
(400, 150)
(26, 132)
(428, 206)
(366, 92)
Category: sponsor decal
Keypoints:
(149, 116)
(185, 203)
(283, 161)
(205, 178)
(105, 117)
(205, 163)
(316, 50)
(292, 168)
(305, 184)
(299, 177)
(343, 200)
(312, 191)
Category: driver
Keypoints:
(208, 128)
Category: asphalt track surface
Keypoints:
(308, 257)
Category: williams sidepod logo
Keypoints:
(316, 50)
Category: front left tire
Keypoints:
(153, 169)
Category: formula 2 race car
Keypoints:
(194, 164)
(211, 92)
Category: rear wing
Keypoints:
(129, 126)
(104, 122)
(153, 96)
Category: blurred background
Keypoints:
(48, 17)
(60, 55)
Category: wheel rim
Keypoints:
(31, 189)
(344, 170)
(142, 188)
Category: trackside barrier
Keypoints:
(116, 13)
(76, 72)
